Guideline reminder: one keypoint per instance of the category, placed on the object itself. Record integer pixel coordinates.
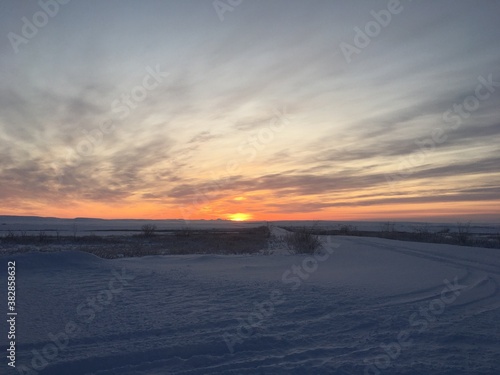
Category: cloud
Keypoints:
(202, 137)
(353, 124)
(309, 186)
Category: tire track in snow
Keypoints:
(450, 260)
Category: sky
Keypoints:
(250, 109)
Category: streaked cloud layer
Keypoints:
(158, 109)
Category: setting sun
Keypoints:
(239, 217)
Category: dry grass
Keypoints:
(302, 241)
(185, 241)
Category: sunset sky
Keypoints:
(264, 110)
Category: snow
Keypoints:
(362, 306)
(85, 226)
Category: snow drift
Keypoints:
(363, 306)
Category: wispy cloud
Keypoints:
(354, 124)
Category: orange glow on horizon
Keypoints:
(239, 217)
(257, 209)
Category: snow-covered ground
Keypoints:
(363, 306)
(83, 226)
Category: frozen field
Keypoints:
(364, 306)
(83, 226)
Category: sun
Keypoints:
(239, 217)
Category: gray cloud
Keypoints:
(353, 123)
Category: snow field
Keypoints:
(365, 306)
